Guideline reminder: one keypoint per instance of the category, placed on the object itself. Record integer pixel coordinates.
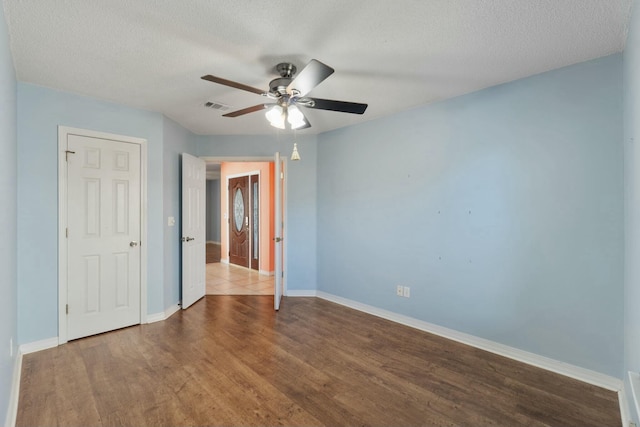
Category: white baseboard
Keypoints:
(155, 317)
(301, 293)
(158, 317)
(562, 368)
(625, 413)
(32, 347)
(224, 260)
(634, 381)
(171, 311)
(265, 273)
(12, 409)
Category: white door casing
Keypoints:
(193, 229)
(102, 226)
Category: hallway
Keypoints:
(229, 279)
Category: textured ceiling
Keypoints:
(393, 55)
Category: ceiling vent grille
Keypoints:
(217, 106)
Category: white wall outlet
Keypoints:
(171, 221)
(399, 290)
(406, 292)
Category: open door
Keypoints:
(193, 229)
(278, 273)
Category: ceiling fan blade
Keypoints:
(306, 125)
(248, 110)
(341, 106)
(232, 84)
(311, 76)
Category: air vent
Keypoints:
(217, 106)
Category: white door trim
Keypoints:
(63, 132)
(267, 159)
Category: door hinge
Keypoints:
(67, 152)
(67, 308)
(66, 232)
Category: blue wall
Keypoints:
(8, 218)
(177, 140)
(40, 111)
(300, 198)
(502, 210)
(213, 210)
(632, 199)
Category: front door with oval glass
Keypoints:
(239, 221)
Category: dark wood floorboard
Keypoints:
(230, 360)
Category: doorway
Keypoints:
(213, 213)
(247, 215)
(227, 278)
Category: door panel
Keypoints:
(278, 284)
(239, 221)
(193, 229)
(104, 229)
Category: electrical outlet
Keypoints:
(406, 292)
(399, 290)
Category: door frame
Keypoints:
(266, 159)
(249, 194)
(63, 133)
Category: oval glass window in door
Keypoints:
(238, 209)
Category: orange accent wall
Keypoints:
(266, 170)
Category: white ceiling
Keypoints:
(393, 55)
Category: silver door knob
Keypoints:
(134, 243)
(188, 239)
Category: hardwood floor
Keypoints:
(230, 360)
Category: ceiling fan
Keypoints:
(289, 92)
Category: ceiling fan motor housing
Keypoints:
(286, 69)
(279, 85)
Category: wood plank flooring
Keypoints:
(230, 360)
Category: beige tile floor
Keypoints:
(229, 279)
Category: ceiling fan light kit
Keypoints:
(276, 116)
(289, 93)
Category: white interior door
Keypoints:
(278, 282)
(193, 229)
(103, 235)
